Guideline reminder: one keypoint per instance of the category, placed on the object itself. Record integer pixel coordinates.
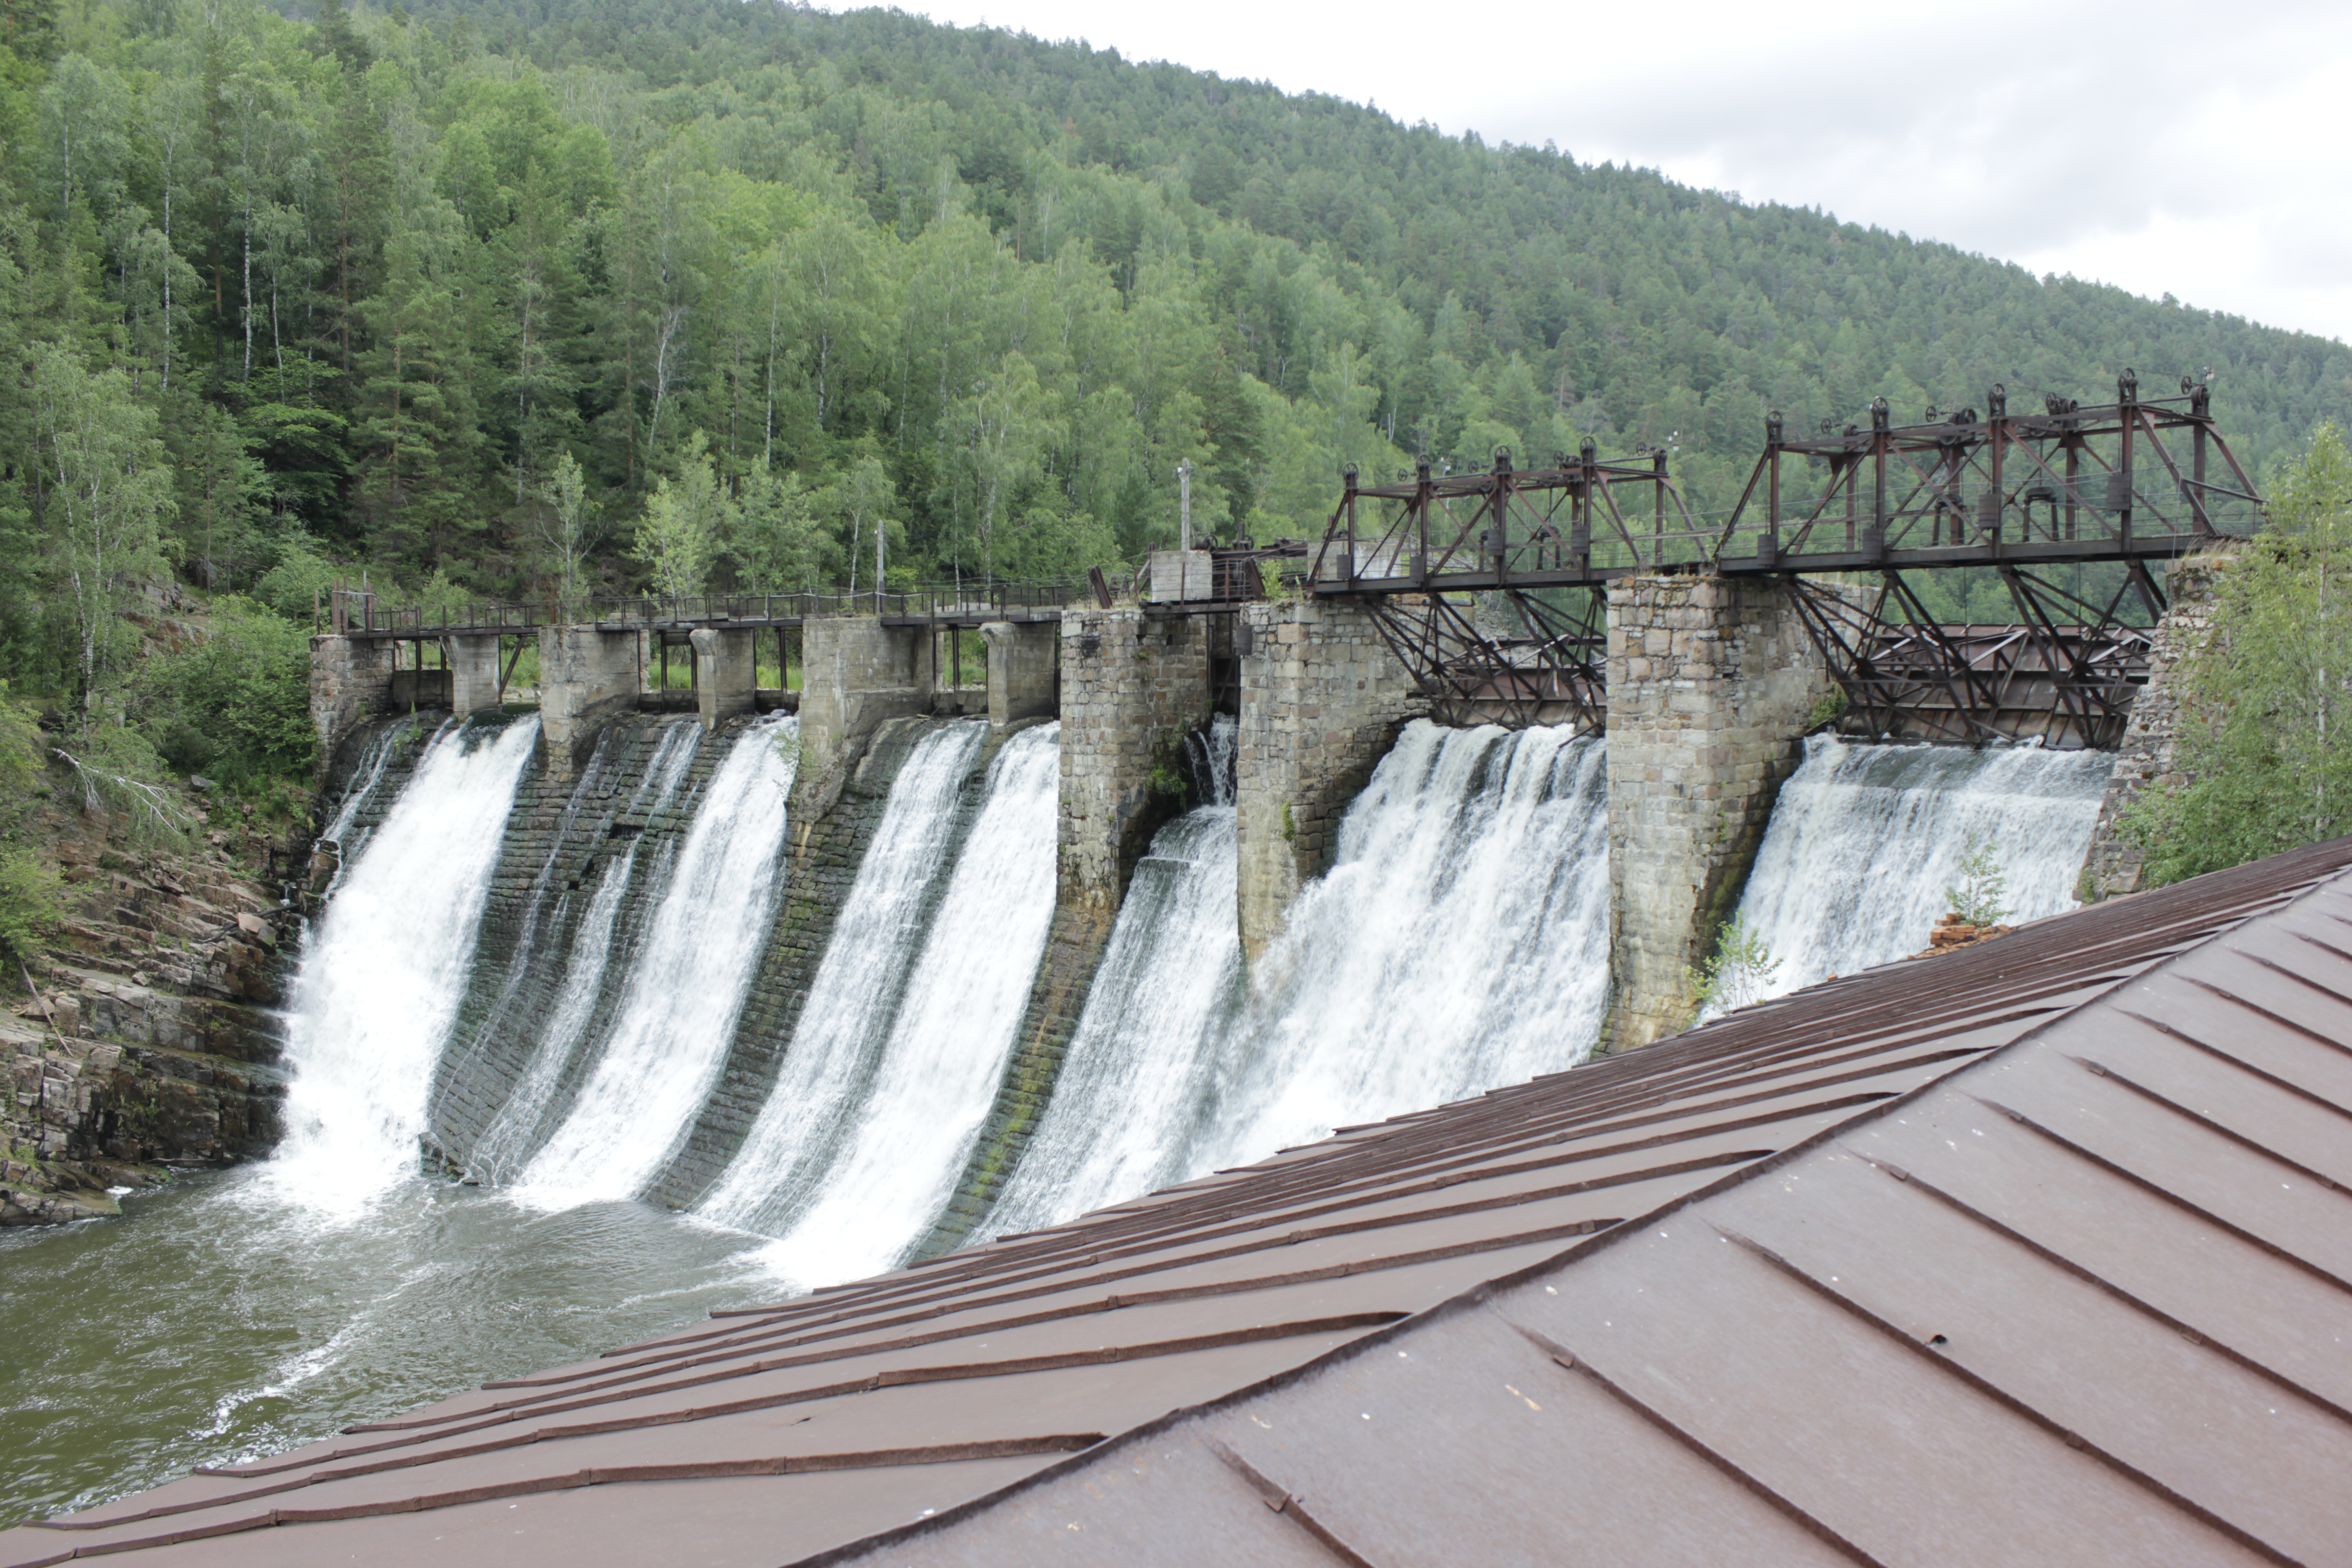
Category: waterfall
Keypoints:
(686, 988)
(508, 1138)
(382, 972)
(366, 780)
(955, 1030)
(1143, 1058)
(854, 997)
(1460, 942)
(1865, 839)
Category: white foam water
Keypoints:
(1143, 1060)
(671, 1032)
(1867, 838)
(504, 1145)
(855, 998)
(954, 1031)
(1460, 942)
(384, 971)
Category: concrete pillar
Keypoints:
(856, 672)
(1710, 682)
(1024, 661)
(725, 674)
(587, 677)
(2152, 737)
(473, 672)
(1133, 686)
(350, 682)
(1321, 699)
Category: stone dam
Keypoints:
(881, 962)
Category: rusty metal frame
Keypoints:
(1567, 525)
(2066, 674)
(2130, 480)
(1550, 675)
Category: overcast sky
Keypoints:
(2203, 150)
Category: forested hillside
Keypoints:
(504, 298)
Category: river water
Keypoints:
(214, 1322)
(1459, 943)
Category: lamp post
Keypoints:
(1184, 504)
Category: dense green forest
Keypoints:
(501, 297)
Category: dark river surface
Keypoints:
(215, 1321)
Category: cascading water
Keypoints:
(1143, 1058)
(381, 976)
(1865, 840)
(685, 990)
(1460, 942)
(342, 834)
(854, 997)
(955, 1030)
(504, 1144)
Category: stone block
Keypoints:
(725, 673)
(1709, 681)
(1024, 671)
(588, 677)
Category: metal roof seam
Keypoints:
(2275, 967)
(2201, 1337)
(2218, 1054)
(1568, 1361)
(1286, 1503)
(2174, 1108)
(2158, 1189)
(2016, 1406)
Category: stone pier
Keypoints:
(1024, 673)
(1711, 681)
(1132, 688)
(725, 674)
(587, 677)
(2147, 757)
(1321, 699)
(856, 673)
(1133, 685)
(350, 682)
(473, 664)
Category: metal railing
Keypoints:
(361, 612)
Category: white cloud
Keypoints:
(2162, 146)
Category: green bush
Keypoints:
(28, 902)
(236, 705)
(295, 585)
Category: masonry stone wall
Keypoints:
(587, 677)
(1322, 699)
(725, 674)
(856, 673)
(473, 663)
(1133, 686)
(2146, 759)
(350, 682)
(1024, 671)
(1710, 682)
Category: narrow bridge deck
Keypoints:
(356, 613)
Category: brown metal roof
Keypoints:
(2038, 1251)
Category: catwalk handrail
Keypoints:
(360, 612)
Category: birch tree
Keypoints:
(108, 495)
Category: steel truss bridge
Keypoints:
(1492, 587)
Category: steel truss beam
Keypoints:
(2064, 675)
(1546, 668)
(2137, 480)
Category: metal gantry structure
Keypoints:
(1491, 588)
